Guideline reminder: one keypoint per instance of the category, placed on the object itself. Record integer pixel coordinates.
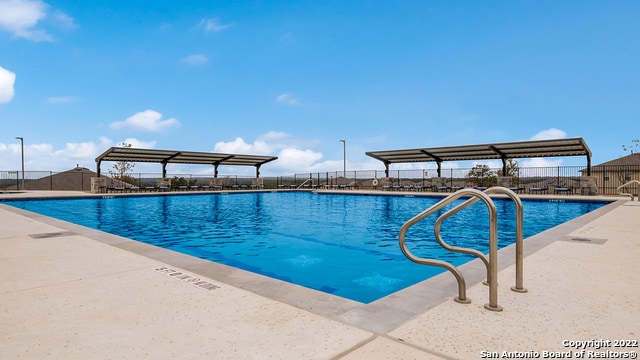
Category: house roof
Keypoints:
(629, 160)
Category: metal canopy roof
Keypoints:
(504, 151)
(181, 157)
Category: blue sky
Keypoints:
(292, 78)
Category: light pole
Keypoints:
(22, 153)
(344, 158)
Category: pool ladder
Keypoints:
(303, 183)
(491, 263)
(619, 190)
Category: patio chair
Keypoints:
(257, 183)
(215, 183)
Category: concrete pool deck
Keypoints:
(68, 292)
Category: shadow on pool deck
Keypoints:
(74, 292)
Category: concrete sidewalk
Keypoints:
(72, 293)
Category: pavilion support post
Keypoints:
(215, 170)
(439, 168)
(164, 170)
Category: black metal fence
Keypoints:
(607, 179)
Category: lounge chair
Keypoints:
(537, 190)
(567, 190)
(257, 183)
(215, 183)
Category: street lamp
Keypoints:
(344, 158)
(22, 152)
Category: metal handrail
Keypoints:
(493, 246)
(519, 234)
(619, 189)
(304, 182)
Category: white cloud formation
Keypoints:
(238, 146)
(292, 156)
(21, 18)
(213, 25)
(549, 134)
(287, 98)
(265, 144)
(45, 157)
(63, 20)
(137, 143)
(7, 80)
(299, 159)
(540, 162)
(195, 59)
(148, 120)
(79, 151)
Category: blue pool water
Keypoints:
(346, 245)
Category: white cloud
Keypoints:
(136, 143)
(238, 146)
(45, 157)
(298, 159)
(213, 25)
(540, 162)
(21, 18)
(148, 120)
(38, 157)
(287, 98)
(291, 157)
(63, 20)
(79, 151)
(7, 80)
(62, 99)
(195, 59)
(265, 144)
(273, 135)
(549, 134)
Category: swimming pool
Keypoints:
(346, 245)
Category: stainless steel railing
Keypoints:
(518, 241)
(619, 189)
(304, 182)
(493, 246)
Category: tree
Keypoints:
(482, 175)
(633, 148)
(121, 169)
(513, 169)
(181, 181)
